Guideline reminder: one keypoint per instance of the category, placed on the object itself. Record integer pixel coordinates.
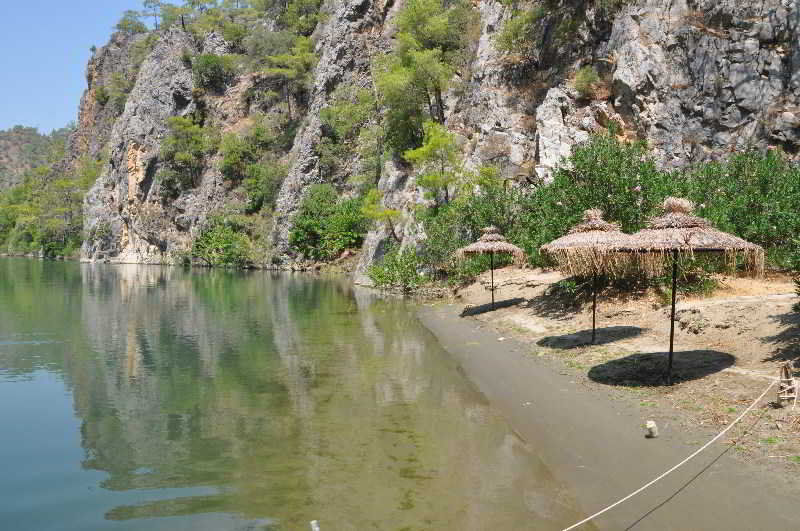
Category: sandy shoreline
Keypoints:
(595, 443)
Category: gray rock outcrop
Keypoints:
(695, 79)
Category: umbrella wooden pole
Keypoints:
(594, 305)
(491, 262)
(672, 315)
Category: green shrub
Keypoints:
(262, 184)
(141, 49)
(518, 32)
(213, 72)
(330, 155)
(301, 16)
(240, 152)
(237, 155)
(252, 159)
(753, 195)
(183, 154)
(398, 269)
(586, 80)
(234, 33)
(101, 96)
(350, 108)
(221, 244)
(118, 91)
(262, 44)
(325, 225)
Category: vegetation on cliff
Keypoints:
(24, 148)
(395, 111)
(43, 214)
(754, 195)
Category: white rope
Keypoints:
(665, 474)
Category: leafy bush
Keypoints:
(237, 155)
(585, 80)
(234, 33)
(325, 225)
(141, 49)
(101, 96)
(262, 184)
(753, 195)
(214, 72)
(183, 154)
(301, 16)
(118, 91)
(261, 44)
(221, 244)
(350, 108)
(398, 269)
(252, 160)
(517, 34)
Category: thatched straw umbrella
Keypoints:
(589, 248)
(679, 233)
(491, 243)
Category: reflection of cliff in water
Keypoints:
(289, 398)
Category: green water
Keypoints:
(136, 397)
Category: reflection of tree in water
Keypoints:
(291, 398)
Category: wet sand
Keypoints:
(596, 445)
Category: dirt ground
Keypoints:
(728, 348)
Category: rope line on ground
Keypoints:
(689, 458)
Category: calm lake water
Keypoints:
(136, 397)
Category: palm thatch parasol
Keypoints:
(590, 248)
(678, 233)
(491, 243)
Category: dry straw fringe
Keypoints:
(591, 247)
(492, 242)
(656, 262)
(677, 230)
(585, 262)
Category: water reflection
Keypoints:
(274, 399)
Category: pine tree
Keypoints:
(439, 160)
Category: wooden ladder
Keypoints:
(787, 390)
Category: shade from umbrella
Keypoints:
(677, 233)
(590, 248)
(491, 243)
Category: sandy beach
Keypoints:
(584, 410)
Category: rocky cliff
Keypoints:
(695, 79)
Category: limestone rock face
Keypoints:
(400, 192)
(133, 228)
(344, 44)
(96, 120)
(701, 79)
(695, 79)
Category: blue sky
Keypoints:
(45, 47)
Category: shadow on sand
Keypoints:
(787, 341)
(648, 370)
(583, 338)
(483, 308)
